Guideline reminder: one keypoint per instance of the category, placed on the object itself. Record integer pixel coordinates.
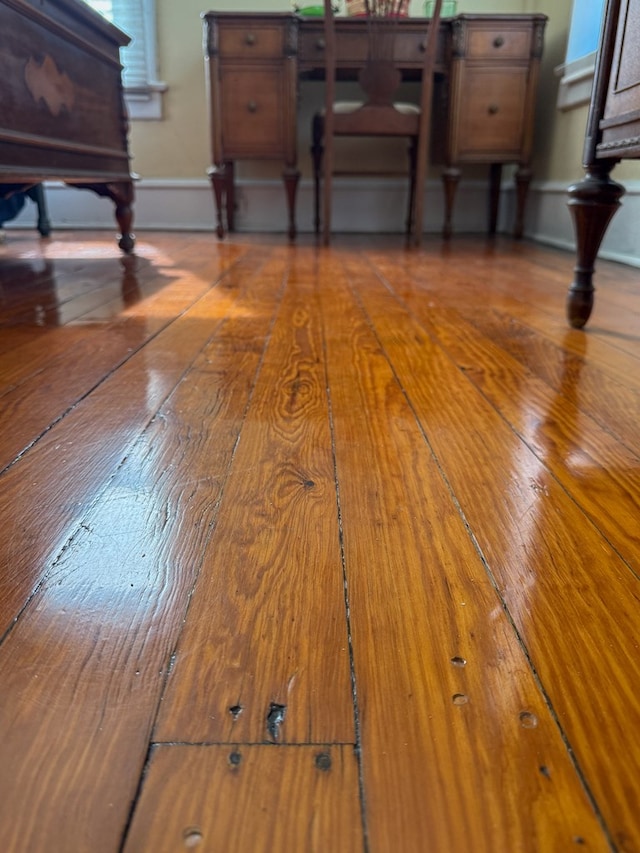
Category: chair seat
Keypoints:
(346, 107)
(358, 118)
(351, 106)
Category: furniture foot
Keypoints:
(291, 176)
(450, 179)
(36, 194)
(522, 179)
(122, 194)
(592, 204)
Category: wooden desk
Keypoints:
(486, 79)
(613, 134)
(62, 115)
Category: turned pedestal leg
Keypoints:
(450, 179)
(592, 203)
(522, 179)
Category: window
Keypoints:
(577, 72)
(142, 88)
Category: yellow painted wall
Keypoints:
(178, 146)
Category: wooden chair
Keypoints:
(377, 114)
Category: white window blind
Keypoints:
(137, 19)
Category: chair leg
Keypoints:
(413, 147)
(316, 156)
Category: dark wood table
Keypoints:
(62, 114)
(613, 134)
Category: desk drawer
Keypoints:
(506, 43)
(491, 115)
(352, 49)
(246, 42)
(253, 103)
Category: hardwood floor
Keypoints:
(316, 549)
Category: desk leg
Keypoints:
(450, 179)
(230, 190)
(291, 176)
(217, 176)
(495, 179)
(523, 179)
(592, 203)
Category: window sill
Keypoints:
(576, 82)
(145, 104)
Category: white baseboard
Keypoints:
(360, 206)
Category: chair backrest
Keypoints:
(379, 78)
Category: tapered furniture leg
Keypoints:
(495, 179)
(523, 179)
(230, 190)
(450, 179)
(592, 203)
(291, 176)
(316, 157)
(413, 159)
(217, 174)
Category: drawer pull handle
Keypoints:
(252, 107)
(493, 109)
(320, 44)
(498, 41)
(250, 39)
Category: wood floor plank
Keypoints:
(264, 654)
(407, 487)
(540, 551)
(262, 799)
(78, 455)
(46, 385)
(608, 392)
(456, 735)
(99, 631)
(597, 470)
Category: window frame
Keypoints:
(577, 72)
(143, 97)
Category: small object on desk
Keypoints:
(315, 11)
(377, 8)
(449, 8)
